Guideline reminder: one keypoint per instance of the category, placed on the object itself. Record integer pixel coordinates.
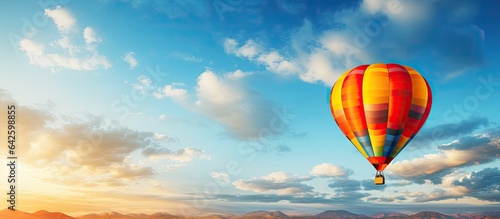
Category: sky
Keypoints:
(222, 106)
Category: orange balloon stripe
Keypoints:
(427, 108)
(339, 116)
(352, 102)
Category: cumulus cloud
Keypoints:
(129, 57)
(241, 110)
(62, 17)
(280, 182)
(466, 151)
(170, 91)
(64, 53)
(90, 36)
(483, 185)
(371, 31)
(330, 170)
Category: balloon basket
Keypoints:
(379, 180)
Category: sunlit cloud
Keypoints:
(64, 53)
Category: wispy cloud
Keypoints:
(450, 130)
(144, 84)
(181, 155)
(69, 55)
(91, 146)
(184, 57)
(369, 32)
(272, 60)
(221, 177)
(280, 182)
(129, 58)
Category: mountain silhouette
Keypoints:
(389, 215)
(330, 214)
(264, 214)
(340, 214)
(430, 214)
(8, 214)
(51, 215)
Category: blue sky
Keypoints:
(221, 106)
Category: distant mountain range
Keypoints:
(337, 214)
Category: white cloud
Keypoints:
(276, 63)
(238, 74)
(329, 170)
(170, 91)
(144, 84)
(227, 100)
(64, 53)
(162, 137)
(90, 36)
(240, 109)
(372, 31)
(467, 151)
(63, 18)
(320, 68)
(163, 117)
(65, 43)
(280, 182)
(213, 90)
(251, 50)
(222, 177)
(181, 155)
(432, 163)
(38, 56)
(129, 57)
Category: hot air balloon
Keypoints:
(380, 108)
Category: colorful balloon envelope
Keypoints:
(380, 108)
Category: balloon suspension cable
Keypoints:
(379, 173)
